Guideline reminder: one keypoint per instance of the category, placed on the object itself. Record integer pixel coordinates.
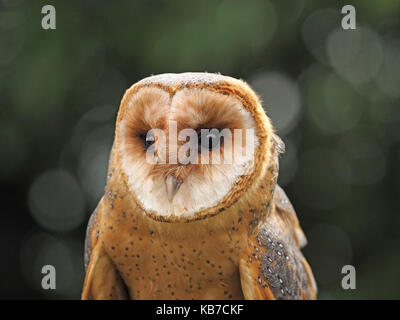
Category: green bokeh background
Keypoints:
(333, 94)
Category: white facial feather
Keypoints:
(201, 189)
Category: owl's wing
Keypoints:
(272, 266)
(102, 280)
(88, 238)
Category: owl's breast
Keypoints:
(155, 262)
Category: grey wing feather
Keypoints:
(88, 238)
(288, 214)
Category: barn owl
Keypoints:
(166, 230)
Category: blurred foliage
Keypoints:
(333, 94)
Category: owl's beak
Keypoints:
(172, 185)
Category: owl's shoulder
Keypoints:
(273, 266)
(92, 233)
(283, 210)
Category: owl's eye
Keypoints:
(148, 139)
(209, 139)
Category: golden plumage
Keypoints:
(194, 231)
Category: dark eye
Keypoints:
(148, 139)
(209, 139)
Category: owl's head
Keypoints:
(190, 145)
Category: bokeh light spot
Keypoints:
(316, 28)
(93, 162)
(65, 255)
(321, 178)
(366, 157)
(333, 105)
(389, 76)
(356, 55)
(281, 99)
(56, 201)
